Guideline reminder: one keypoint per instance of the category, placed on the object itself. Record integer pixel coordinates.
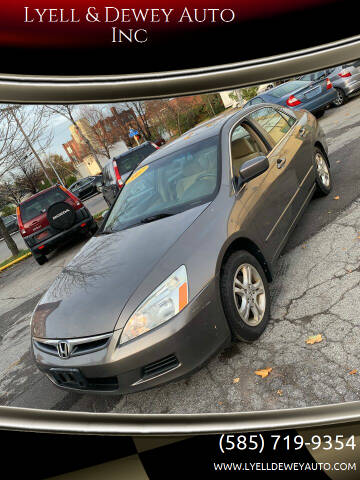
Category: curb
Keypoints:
(15, 261)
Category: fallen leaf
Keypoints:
(337, 197)
(353, 372)
(264, 372)
(314, 339)
(279, 392)
(236, 380)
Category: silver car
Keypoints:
(345, 79)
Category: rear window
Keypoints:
(36, 206)
(287, 88)
(129, 161)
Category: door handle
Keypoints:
(302, 131)
(280, 162)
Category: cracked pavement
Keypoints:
(316, 290)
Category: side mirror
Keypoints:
(253, 168)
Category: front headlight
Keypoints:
(164, 303)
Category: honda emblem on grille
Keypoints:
(63, 349)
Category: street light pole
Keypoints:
(55, 171)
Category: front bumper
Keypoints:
(166, 353)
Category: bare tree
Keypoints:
(140, 118)
(156, 111)
(21, 128)
(9, 144)
(67, 111)
(10, 192)
(102, 139)
(60, 167)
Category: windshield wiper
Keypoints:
(157, 216)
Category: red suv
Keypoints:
(50, 217)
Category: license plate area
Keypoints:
(42, 235)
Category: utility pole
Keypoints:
(55, 171)
(11, 110)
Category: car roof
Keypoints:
(207, 129)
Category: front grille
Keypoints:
(77, 346)
(87, 347)
(160, 366)
(46, 347)
(73, 378)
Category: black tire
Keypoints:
(40, 259)
(340, 99)
(322, 188)
(240, 329)
(92, 230)
(319, 114)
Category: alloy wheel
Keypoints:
(322, 170)
(249, 294)
(339, 98)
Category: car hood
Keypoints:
(89, 294)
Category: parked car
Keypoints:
(185, 255)
(159, 142)
(265, 87)
(85, 187)
(51, 217)
(10, 223)
(117, 170)
(345, 79)
(315, 96)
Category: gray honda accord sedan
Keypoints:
(182, 262)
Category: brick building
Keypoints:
(102, 135)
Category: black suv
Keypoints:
(117, 170)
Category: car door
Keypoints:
(279, 204)
(297, 148)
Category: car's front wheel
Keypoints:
(323, 179)
(245, 296)
(340, 98)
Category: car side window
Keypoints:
(319, 75)
(245, 145)
(276, 124)
(309, 77)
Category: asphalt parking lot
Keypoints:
(316, 291)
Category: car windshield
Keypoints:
(287, 88)
(167, 186)
(35, 206)
(128, 161)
